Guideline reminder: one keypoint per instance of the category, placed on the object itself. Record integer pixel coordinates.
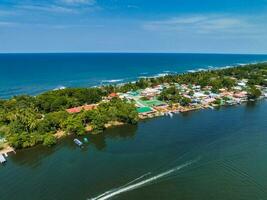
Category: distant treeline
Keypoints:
(219, 78)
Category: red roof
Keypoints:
(113, 94)
(80, 108)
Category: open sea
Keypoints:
(36, 73)
(218, 154)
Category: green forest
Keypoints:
(26, 121)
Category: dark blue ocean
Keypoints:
(36, 73)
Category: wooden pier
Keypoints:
(4, 153)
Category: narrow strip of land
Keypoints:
(27, 121)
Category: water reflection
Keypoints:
(33, 157)
(251, 104)
(122, 132)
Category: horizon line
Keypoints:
(133, 52)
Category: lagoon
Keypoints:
(227, 148)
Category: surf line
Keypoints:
(117, 191)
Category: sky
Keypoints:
(182, 26)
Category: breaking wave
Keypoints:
(59, 88)
(112, 81)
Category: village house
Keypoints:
(112, 95)
(150, 92)
(144, 112)
(80, 108)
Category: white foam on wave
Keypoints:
(112, 81)
(143, 77)
(191, 71)
(160, 75)
(114, 192)
(59, 88)
(156, 75)
(227, 67)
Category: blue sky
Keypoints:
(214, 26)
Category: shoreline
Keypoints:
(150, 102)
(7, 150)
(120, 81)
(61, 134)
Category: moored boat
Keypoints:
(78, 142)
(2, 159)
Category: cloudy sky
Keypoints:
(214, 26)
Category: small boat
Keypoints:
(2, 159)
(170, 114)
(78, 142)
(85, 140)
(211, 107)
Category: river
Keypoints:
(206, 154)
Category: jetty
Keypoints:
(7, 149)
(4, 153)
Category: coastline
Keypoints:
(7, 149)
(155, 65)
(147, 98)
(61, 134)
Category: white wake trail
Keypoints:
(117, 191)
(141, 177)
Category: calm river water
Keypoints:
(208, 154)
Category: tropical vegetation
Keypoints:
(26, 120)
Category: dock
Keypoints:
(2, 159)
(7, 149)
(4, 153)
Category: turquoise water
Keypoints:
(227, 149)
(36, 73)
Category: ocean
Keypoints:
(205, 154)
(35, 73)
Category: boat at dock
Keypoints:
(2, 159)
(170, 114)
(78, 142)
(211, 107)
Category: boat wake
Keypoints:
(131, 186)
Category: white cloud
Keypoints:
(60, 6)
(50, 8)
(7, 24)
(75, 2)
(201, 24)
(6, 13)
(132, 6)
